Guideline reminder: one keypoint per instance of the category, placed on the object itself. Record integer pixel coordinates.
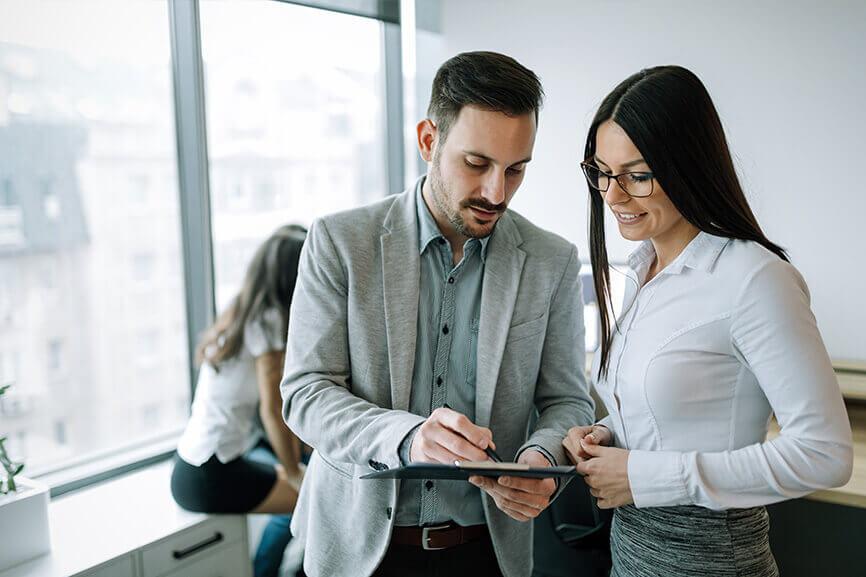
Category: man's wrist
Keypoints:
(539, 449)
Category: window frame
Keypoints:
(195, 210)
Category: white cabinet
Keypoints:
(230, 561)
(123, 567)
(211, 549)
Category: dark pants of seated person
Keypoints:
(214, 488)
(476, 559)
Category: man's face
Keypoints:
(474, 174)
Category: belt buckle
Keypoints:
(425, 536)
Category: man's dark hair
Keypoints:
(488, 80)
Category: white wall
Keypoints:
(788, 78)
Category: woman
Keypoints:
(716, 336)
(226, 461)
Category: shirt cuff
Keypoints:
(547, 456)
(656, 479)
(406, 445)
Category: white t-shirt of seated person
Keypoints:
(224, 420)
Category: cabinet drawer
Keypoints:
(123, 567)
(199, 542)
(230, 561)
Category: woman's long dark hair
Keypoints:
(667, 113)
(268, 284)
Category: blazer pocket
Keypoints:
(527, 329)
(340, 470)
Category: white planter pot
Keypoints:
(24, 523)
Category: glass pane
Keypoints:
(92, 322)
(296, 129)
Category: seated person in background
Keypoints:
(219, 466)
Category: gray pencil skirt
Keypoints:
(691, 541)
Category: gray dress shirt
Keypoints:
(445, 362)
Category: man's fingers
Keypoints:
(516, 515)
(544, 487)
(528, 511)
(516, 509)
(436, 453)
(457, 445)
(481, 437)
(517, 497)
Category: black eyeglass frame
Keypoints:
(587, 164)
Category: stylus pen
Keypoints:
(490, 452)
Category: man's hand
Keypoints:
(519, 498)
(606, 474)
(447, 436)
(591, 435)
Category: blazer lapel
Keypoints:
(401, 272)
(502, 270)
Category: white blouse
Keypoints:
(705, 352)
(224, 420)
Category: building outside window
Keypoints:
(295, 117)
(87, 131)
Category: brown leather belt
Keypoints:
(438, 537)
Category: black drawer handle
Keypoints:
(198, 547)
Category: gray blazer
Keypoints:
(349, 362)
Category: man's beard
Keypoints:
(440, 199)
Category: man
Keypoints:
(426, 328)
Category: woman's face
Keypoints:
(653, 217)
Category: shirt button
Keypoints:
(445, 330)
(451, 280)
(438, 381)
(388, 512)
(429, 485)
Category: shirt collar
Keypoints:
(700, 254)
(428, 230)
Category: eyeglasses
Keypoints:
(634, 184)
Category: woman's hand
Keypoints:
(592, 434)
(606, 474)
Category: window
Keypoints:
(11, 216)
(296, 123)
(143, 267)
(60, 432)
(50, 200)
(8, 368)
(87, 146)
(55, 356)
(591, 320)
(93, 228)
(7, 193)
